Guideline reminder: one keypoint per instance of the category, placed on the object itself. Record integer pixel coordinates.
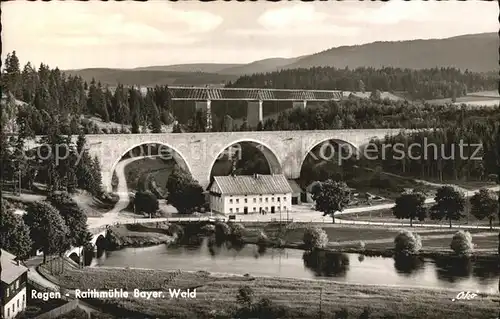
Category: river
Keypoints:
(348, 268)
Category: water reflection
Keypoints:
(218, 256)
(453, 269)
(408, 265)
(485, 270)
(326, 264)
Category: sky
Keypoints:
(75, 35)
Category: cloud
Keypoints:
(392, 12)
(291, 16)
(296, 20)
(395, 12)
(92, 24)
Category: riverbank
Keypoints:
(369, 241)
(137, 235)
(216, 295)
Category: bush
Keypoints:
(461, 243)
(175, 230)
(342, 314)
(222, 231)
(245, 296)
(208, 229)
(366, 313)
(361, 245)
(237, 231)
(146, 202)
(315, 237)
(264, 308)
(407, 243)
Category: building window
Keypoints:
(279, 208)
(279, 199)
(230, 201)
(237, 210)
(267, 199)
(231, 210)
(246, 200)
(284, 198)
(255, 200)
(272, 199)
(14, 308)
(254, 209)
(237, 200)
(267, 208)
(17, 303)
(8, 312)
(260, 200)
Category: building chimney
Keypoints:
(17, 261)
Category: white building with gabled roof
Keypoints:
(250, 194)
(13, 285)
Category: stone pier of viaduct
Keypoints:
(285, 151)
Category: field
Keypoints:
(216, 295)
(485, 98)
(387, 216)
(376, 238)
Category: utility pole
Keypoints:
(19, 177)
(467, 202)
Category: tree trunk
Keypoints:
(44, 258)
(491, 222)
(450, 222)
(333, 218)
(411, 222)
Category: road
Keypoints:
(301, 213)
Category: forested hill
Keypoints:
(418, 84)
(475, 52)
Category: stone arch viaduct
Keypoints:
(285, 151)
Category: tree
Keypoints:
(461, 243)
(411, 206)
(146, 202)
(449, 205)
(315, 237)
(407, 243)
(14, 234)
(11, 75)
(184, 193)
(48, 231)
(484, 205)
(74, 217)
(176, 128)
(237, 232)
(376, 95)
(361, 86)
(331, 197)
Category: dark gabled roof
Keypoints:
(10, 269)
(253, 185)
(295, 187)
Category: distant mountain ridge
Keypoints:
(475, 52)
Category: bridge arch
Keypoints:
(178, 157)
(274, 162)
(353, 149)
